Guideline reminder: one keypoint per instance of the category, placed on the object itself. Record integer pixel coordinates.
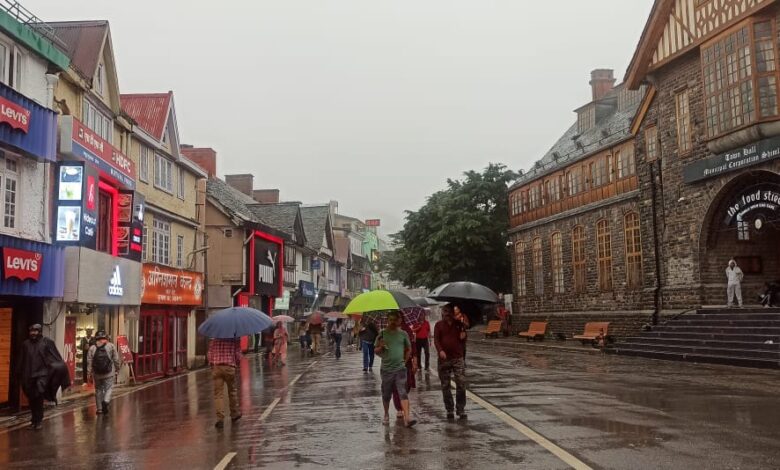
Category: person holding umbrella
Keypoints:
(450, 340)
(394, 347)
(279, 354)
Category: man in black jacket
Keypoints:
(41, 372)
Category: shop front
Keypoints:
(101, 292)
(32, 274)
(265, 265)
(168, 299)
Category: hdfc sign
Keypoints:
(22, 264)
(14, 115)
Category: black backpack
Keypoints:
(101, 362)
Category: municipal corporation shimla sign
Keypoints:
(754, 154)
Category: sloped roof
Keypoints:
(149, 110)
(648, 41)
(280, 216)
(233, 200)
(606, 132)
(315, 222)
(83, 41)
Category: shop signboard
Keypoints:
(124, 349)
(99, 278)
(306, 289)
(283, 302)
(22, 264)
(28, 127)
(166, 286)
(754, 154)
(130, 224)
(373, 222)
(77, 211)
(70, 345)
(762, 200)
(81, 142)
(315, 264)
(267, 267)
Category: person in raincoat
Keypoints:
(41, 372)
(279, 354)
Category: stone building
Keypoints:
(576, 221)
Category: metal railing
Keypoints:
(25, 16)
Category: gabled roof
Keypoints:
(608, 131)
(149, 110)
(283, 216)
(648, 41)
(83, 41)
(315, 224)
(235, 204)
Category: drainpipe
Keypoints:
(657, 300)
(51, 83)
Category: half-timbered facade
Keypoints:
(708, 146)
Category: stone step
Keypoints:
(701, 358)
(750, 338)
(709, 351)
(727, 310)
(736, 322)
(664, 341)
(752, 330)
(726, 316)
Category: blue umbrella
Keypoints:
(235, 322)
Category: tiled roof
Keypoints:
(233, 200)
(315, 221)
(149, 110)
(606, 132)
(280, 216)
(83, 41)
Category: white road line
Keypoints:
(566, 457)
(269, 409)
(286, 389)
(225, 461)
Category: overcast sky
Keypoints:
(371, 103)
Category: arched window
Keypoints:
(556, 249)
(538, 266)
(520, 268)
(633, 251)
(578, 257)
(604, 248)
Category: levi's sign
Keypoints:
(14, 115)
(754, 154)
(22, 264)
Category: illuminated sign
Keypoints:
(22, 264)
(14, 115)
(115, 288)
(372, 223)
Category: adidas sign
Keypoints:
(115, 284)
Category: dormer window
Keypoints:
(100, 80)
(586, 118)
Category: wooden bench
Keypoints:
(536, 330)
(592, 331)
(493, 328)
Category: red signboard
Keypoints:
(124, 349)
(95, 144)
(166, 286)
(14, 115)
(22, 264)
(70, 345)
(372, 222)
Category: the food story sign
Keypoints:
(166, 286)
(79, 141)
(757, 201)
(754, 154)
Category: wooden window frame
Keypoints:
(652, 145)
(633, 240)
(604, 254)
(626, 163)
(556, 251)
(520, 269)
(578, 258)
(537, 255)
(682, 108)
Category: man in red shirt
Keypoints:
(450, 340)
(422, 333)
(224, 355)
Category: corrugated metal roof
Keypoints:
(83, 41)
(149, 110)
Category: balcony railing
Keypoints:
(290, 276)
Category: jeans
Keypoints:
(103, 389)
(225, 375)
(423, 344)
(368, 354)
(337, 341)
(449, 370)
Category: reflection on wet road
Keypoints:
(607, 411)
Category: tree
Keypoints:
(458, 235)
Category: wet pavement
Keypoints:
(603, 411)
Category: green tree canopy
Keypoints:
(458, 235)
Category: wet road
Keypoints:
(602, 411)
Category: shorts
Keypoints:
(394, 380)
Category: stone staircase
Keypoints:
(748, 337)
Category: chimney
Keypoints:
(334, 207)
(243, 182)
(601, 81)
(204, 157)
(266, 196)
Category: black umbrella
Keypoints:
(425, 302)
(464, 290)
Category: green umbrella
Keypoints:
(378, 300)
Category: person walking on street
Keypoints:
(281, 337)
(316, 335)
(423, 333)
(303, 332)
(224, 356)
(41, 371)
(411, 370)
(338, 332)
(734, 277)
(394, 347)
(368, 334)
(103, 363)
(450, 341)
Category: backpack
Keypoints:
(101, 362)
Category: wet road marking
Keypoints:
(225, 461)
(286, 389)
(566, 457)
